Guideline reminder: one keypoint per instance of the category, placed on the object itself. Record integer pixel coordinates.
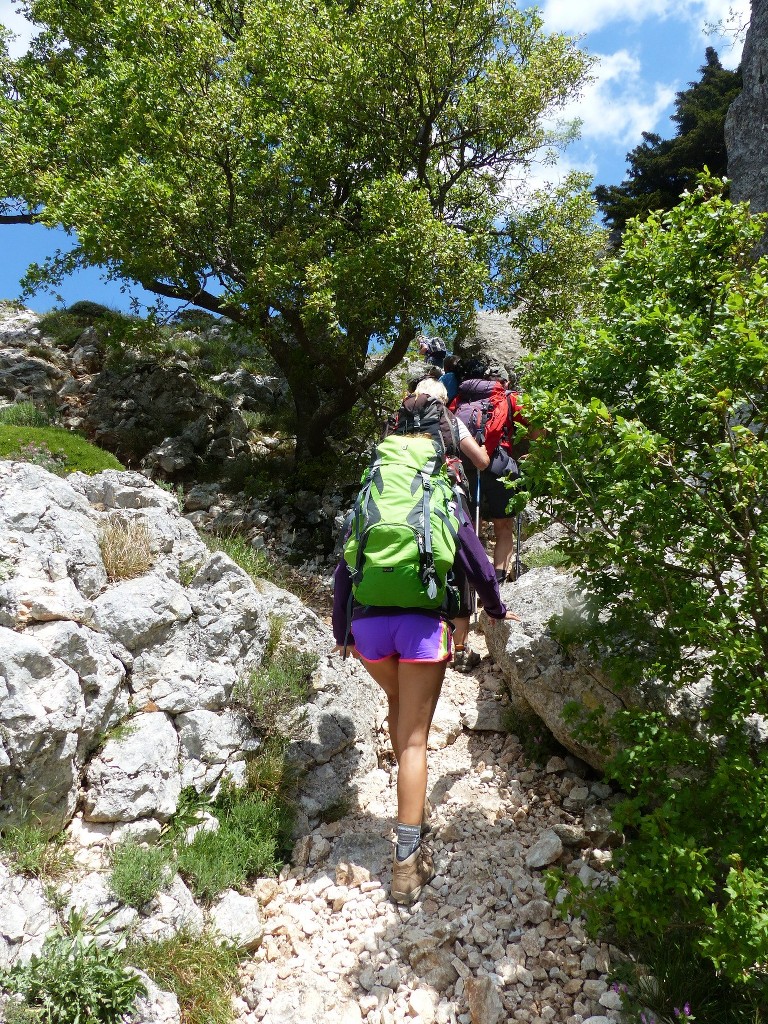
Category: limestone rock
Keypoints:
(42, 712)
(541, 676)
(237, 919)
(25, 917)
(547, 849)
(156, 1007)
(485, 1005)
(745, 124)
(494, 338)
(136, 775)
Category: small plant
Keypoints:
(74, 980)
(540, 558)
(138, 872)
(7, 570)
(187, 572)
(277, 687)
(24, 414)
(537, 741)
(252, 834)
(188, 810)
(31, 851)
(198, 969)
(126, 549)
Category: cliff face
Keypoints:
(746, 126)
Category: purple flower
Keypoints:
(687, 1009)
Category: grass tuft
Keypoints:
(24, 414)
(252, 835)
(139, 872)
(126, 549)
(31, 851)
(201, 972)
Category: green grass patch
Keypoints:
(24, 414)
(250, 841)
(55, 449)
(258, 566)
(543, 557)
(139, 872)
(201, 972)
(74, 980)
(31, 851)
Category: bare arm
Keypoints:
(476, 454)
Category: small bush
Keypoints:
(24, 414)
(126, 549)
(201, 972)
(74, 980)
(31, 851)
(55, 449)
(139, 872)
(252, 834)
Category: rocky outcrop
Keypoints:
(494, 338)
(746, 126)
(115, 693)
(154, 413)
(543, 677)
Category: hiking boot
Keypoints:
(426, 824)
(465, 659)
(409, 876)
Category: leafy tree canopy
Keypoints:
(660, 170)
(656, 458)
(328, 174)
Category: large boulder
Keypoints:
(115, 693)
(542, 676)
(494, 338)
(745, 132)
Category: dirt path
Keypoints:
(484, 945)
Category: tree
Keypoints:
(329, 174)
(656, 458)
(660, 170)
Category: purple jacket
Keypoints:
(470, 555)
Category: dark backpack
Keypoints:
(423, 414)
(486, 408)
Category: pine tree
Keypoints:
(661, 169)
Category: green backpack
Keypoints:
(404, 527)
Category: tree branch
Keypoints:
(17, 218)
(198, 297)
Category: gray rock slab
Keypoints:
(136, 775)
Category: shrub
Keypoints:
(252, 834)
(656, 458)
(198, 969)
(74, 980)
(275, 689)
(54, 448)
(24, 414)
(31, 851)
(138, 872)
(126, 549)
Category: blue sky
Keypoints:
(647, 51)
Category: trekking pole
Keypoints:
(518, 530)
(477, 531)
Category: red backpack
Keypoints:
(489, 412)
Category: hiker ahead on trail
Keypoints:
(394, 596)
(491, 412)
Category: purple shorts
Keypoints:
(409, 636)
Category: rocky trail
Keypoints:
(484, 945)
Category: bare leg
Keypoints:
(420, 684)
(505, 542)
(412, 690)
(460, 631)
(385, 674)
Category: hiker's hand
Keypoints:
(339, 649)
(512, 617)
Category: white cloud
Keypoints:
(18, 24)
(591, 15)
(619, 105)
